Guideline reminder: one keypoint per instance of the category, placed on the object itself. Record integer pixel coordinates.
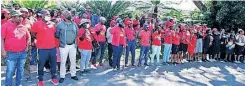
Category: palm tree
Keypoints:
(34, 4)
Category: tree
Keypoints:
(153, 6)
(34, 4)
(225, 14)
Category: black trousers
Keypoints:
(110, 51)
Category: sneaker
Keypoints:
(40, 83)
(55, 81)
(238, 62)
(200, 61)
(28, 80)
(86, 70)
(101, 64)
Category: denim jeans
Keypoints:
(117, 53)
(15, 61)
(156, 50)
(100, 50)
(144, 52)
(166, 53)
(131, 45)
(44, 55)
(33, 55)
(85, 58)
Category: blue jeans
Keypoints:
(130, 47)
(15, 61)
(166, 53)
(117, 53)
(44, 55)
(100, 50)
(85, 58)
(33, 55)
(144, 52)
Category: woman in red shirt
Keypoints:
(156, 45)
(175, 47)
(191, 45)
(85, 46)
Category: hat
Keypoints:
(84, 21)
(23, 9)
(43, 12)
(119, 20)
(5, 11)
(102, 19)
(146, 26)
(15, 13)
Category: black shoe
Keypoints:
(74, 78)
(61, 80)
(118, 68)
(146, 64)
(86, 70)
(133, 65)
(81, 72)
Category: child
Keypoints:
(230, 48)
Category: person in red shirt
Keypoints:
(184, 40)
(85, 46)
(118, 42)
(156, 45)
(144, 36)
(44, 31)
(131, 43)
(175, 47)
(100, 32)
(168, 35)
(192, 45)
(15, 42)
(4, 16)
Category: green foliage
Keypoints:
(73, 4)
(230, 15)
(34, 4)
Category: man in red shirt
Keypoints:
(100, 31)
(4, 16)
(15, 42)
(131, 43)
(44, 31)
(118, 42)
(145, 44)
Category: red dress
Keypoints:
(192, 44)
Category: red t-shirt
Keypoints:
(3, 21)
(45, 35)
(168, 34)
(118, 36)
(86, 44)
(101, 36)
(176, 39)
(130, 33)
(27, 23)
(145, 38)
(185, 37)
(156, 39)
(15, 36)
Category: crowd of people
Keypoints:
(47, 38)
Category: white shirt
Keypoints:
(108, 35)
(240, 40)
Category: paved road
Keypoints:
(188, 74)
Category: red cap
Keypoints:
(5, 11)
(114, 17)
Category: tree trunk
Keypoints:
(200, 5)
(213, 14)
